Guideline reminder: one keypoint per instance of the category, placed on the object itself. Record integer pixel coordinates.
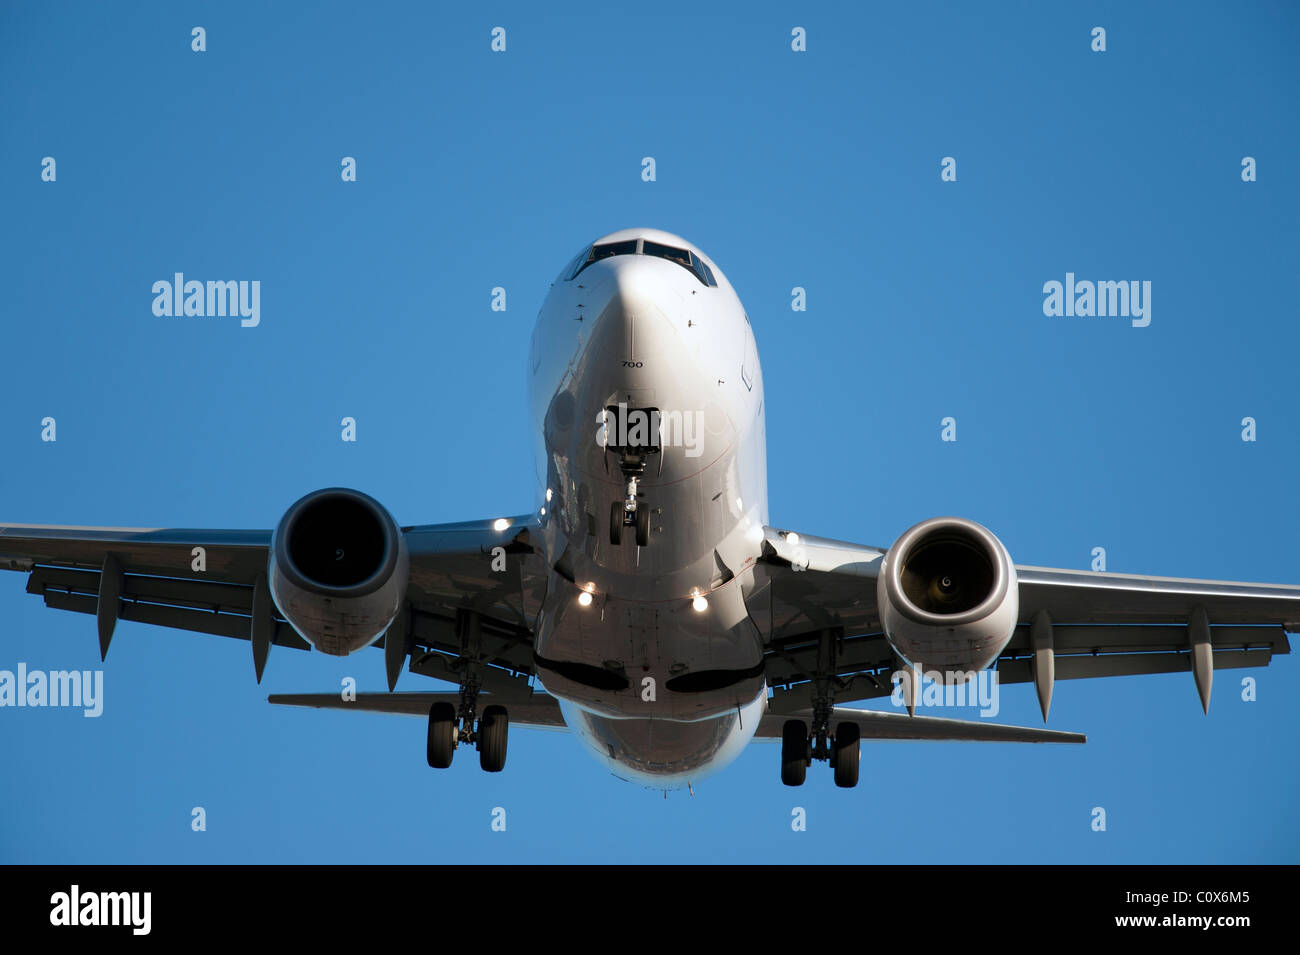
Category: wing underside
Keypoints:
(537, 710)
(204, 581)
(1101, 625)
(874, 725)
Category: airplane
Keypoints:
(667, 622)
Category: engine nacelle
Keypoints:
(338, 569)
(948, 596)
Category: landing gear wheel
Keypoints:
(442, 735)
(616, 523)
(794, 752)
(642, 525)
(845, 756)
(492, 730)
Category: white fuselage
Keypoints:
(661, 685)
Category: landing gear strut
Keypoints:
(801, 744)
(450, 725)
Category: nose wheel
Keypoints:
(630, 512)
(642, 525)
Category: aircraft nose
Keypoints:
(634, 287)
(631, 299)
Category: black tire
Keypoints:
(847, 749)
(642, 525)
(493, 729)
(794, 752)
(616, 523)
(442, 735)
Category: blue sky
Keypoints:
(817, 169)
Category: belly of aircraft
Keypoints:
(664, 753)
(661, 693)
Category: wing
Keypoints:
(536, 710)
(1089, 624)
(196, 580)
(205, 581)
(896, 726)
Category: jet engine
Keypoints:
(338, 569)
(948, 596)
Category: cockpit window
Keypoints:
(575, 263)
(685, 259)
(599, 252)
(703, 271)
(680, 256)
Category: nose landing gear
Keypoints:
(633, 435)
(630, 512)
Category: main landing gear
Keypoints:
(489, 738)
(450, 726)
(798, 750)
(801, 744)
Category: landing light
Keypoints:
(548, 494)
(584, 599)
(792, 538)
(700, 604)
(500, 524)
